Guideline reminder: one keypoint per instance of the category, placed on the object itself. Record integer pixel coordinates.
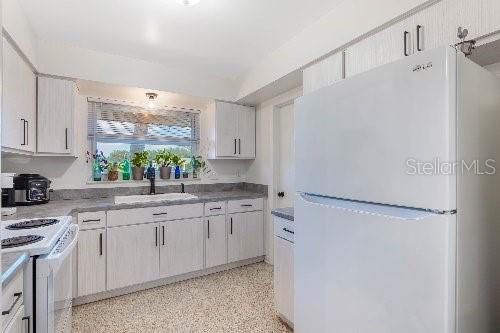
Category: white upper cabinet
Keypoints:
(56, 107)
(18, 103)
(232, 131)
(323, 73)
(480, 17)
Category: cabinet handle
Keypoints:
(419, 28)
(246, 205)
(163, 234)
(27, 132)
(90, 221)
(159, 214)
(239, 146)
(18, 297)
(156, 236)
(66, 138)
(100, 244)
(24, 132)
(28, 319)
(234, 146)
(216, 208)
(289, 231)
(343, 65)
(405, 35)
(208, 226)
(231, 225)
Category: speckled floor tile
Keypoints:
(235, 301)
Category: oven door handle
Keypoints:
(63, 248)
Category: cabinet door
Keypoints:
(56, 104)
(18, 102)
(215, 241)
(434, 26)
(17, 324)
(91, 262)
(133, 255)
(322, 73)
(283, 277)
(181, 248)
(226, 129)
(246, 131)
(246, 236)
(383, 47)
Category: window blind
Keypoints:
(109, 122)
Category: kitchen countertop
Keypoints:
(286, 213)
(11, 264)
(70, 207)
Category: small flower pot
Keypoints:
(185, 174)
(112, 175)
(165, 172)
(138, 173)
(195, 174)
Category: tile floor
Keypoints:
(238, 300)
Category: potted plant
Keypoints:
(139, 162)
(113, 169)
(163, 159)
(177, 162)
(196, 164)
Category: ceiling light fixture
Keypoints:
(151, 98)
(188, 3)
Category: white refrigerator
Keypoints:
(398, 227)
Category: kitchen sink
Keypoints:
(129, 199)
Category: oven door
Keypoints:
(54, 286)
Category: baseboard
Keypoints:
(158, 283)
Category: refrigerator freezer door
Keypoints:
(365, 135)
(362, 268)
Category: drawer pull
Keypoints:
(28, 318)
(216, 208)
(246, 205)
(90, 221)
(159, 214)
(18, 297)
(289, 231)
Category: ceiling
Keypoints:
(224, 38)
(138, 95)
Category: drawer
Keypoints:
(246, 205)
(12, 298)
(153, 214)
(284, 229)
(92, 220)
(215, 208)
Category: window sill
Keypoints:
(144, 182)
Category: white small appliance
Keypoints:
(48, 280)
(400, 232)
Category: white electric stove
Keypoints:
(48, 280)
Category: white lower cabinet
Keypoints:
(18, 323)
(215, 242)
(246, 236)
(283, 277)
(181, 248)
(133, 255)
(91, 262)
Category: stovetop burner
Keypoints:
(31, 224)
(20, 241)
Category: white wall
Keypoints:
(71, 173)
(348, 21)
(261, 169)
(495, 68)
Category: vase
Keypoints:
(138, 173)
(195, 174)
(177, 172)
(165, 172)
(96, 171)
(112, 176)
(126, 170)
(185, 174)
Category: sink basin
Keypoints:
(128, 199)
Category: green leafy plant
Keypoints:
(140, 159)
(176, 160)
(163, 158)
(115, 166)
(197, 163)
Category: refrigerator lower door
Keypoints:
(364, 268)
(386, 136)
